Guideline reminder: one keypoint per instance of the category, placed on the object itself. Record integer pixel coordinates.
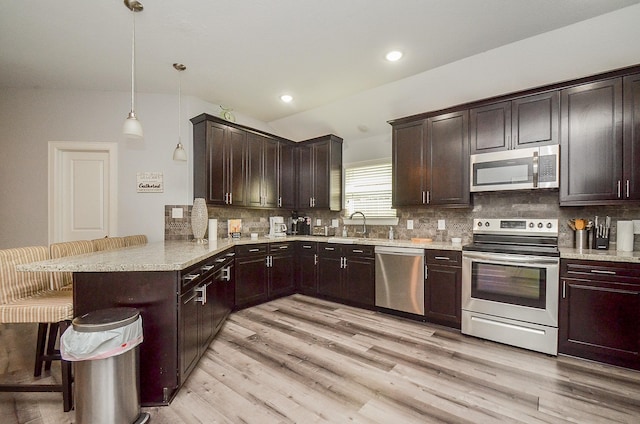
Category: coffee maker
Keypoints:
(277, 227)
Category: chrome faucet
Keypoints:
(364, 222)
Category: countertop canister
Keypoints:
(624, 237)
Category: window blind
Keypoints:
(368, 189)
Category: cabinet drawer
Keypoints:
(307, 247)
(360, 250)
(620, 272)
(251, 249)
(444, 257)
(330, 249)
(281, 247)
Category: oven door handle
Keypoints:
(512, 259)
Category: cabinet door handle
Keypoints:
(426, 272)
(220, 260)
(206, 268)
(202, 290)
(280, 201)
(306, 246)
(231, 198)
(254, 250)
(564, 289)
(226, 273)
(283, 247)
(329, 248)
(597, 271)
(315, 259)
(627, 184)
(424, 198)
(619, 194)
(428, 197)
(358, 251)
(442, 258)
(310, 202)
(191, 277)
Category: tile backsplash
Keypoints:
(515, 204)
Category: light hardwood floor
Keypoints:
(304, 360)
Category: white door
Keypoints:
(82, 191)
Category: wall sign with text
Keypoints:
(149, 182)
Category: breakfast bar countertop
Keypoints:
(178, 255)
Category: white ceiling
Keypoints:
(245, 53)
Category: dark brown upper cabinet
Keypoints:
(220, 163)
(320, 173)
(239, 166)
(591, 143)
(631, 138)
(518, 123)
(431, 161)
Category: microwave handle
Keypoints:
(536, 161)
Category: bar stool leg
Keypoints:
(42, 335)
(67, 377)
(51, 345)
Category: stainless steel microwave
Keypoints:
(519, 169)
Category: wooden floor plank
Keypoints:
(305, 360)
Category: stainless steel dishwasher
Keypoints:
(400, 279)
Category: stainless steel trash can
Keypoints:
(107, 386)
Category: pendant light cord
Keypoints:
(133, 62)
(179, 106)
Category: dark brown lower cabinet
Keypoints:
(177, 322)
(600, 312)
(347, 273)
(306, 267)
(443, 285)
(264, 272)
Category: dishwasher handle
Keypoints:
(403, 251)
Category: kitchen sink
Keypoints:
(344, 240)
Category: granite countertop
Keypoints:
(600, 255)
(178, 255)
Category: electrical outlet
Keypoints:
(636, 226)
(409, 224)
(334, 223)
(318, 222)
(441, 224)
(177, 213)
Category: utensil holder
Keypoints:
(601, 243)
(581, 239)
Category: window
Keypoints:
(367, 188)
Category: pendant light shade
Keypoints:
(132, 128)
(179, 153)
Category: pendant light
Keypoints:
(179, 153)
(132, 127)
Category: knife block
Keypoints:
(601, 243)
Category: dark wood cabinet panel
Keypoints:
(448, 159)
(535, 120)
(306, 267)
(591, 143)
(262, 171)
(443, 287)
(431, 161)
(409, 164)
(236, 151)
(522, 122)
(320, 173)
(490, 127)
(599, 312)
(347, 273)
(281, 269)
(287, 176)
(251, 283)
(631, 168)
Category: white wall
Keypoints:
(29, 119)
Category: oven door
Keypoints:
(518, 287)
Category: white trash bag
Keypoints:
(83, 346)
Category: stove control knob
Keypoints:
(479, 224)
(549, 225)
(486, 224)
(531, 225)
(540, 225)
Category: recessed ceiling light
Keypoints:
(286, 98)
(393, 56)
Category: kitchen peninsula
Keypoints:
(186, 290)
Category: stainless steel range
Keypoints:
(510, 283)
